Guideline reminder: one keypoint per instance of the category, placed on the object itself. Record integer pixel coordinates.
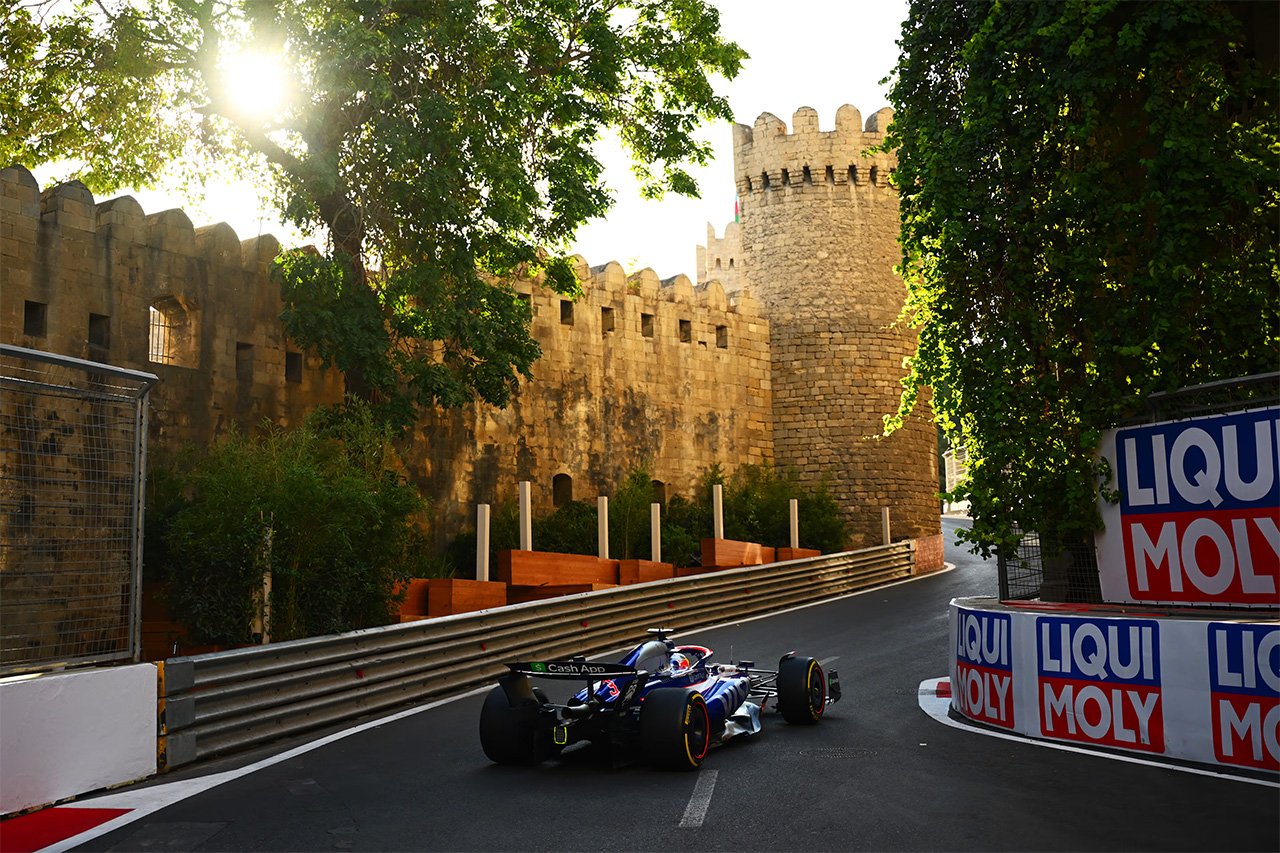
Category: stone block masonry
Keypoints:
(637, 372)
(818, 243)
(785, 351)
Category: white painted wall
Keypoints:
(63, 734)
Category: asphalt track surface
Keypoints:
(876, 774)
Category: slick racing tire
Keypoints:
(802, 690)
(675, 729)
(510, 734)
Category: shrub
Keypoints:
(323, 508)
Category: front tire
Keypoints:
(675, 729)
(802, 690)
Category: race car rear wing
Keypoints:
(576, 668)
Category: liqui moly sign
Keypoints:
(1244, 685)
(1099, 681)
(983, 685)
(1198, 520)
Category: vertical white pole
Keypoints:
(655, 532)
(717, 511)
(482, 542)
(795, 522)
(884, 524)
(602, 525)
(526, 520)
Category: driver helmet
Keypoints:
(679, 662)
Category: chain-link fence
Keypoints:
(72, 461)
(1070, 573)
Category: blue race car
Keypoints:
(669, 703)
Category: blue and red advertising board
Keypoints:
(1194, 689)
(1244, 679)
(1099, 681)
(983, 681)
(1198, 521)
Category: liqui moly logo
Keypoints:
(1200, 509)
(1099, 681)
(984, 667)
(1244, 685)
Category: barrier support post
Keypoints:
(884, 525)
(526, 520)
(655, 532)
(602, 525)
(482, 542)
(717, 511)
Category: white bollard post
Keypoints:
(482, 542)
(884, 525)
(655, 532)
(717, 511)
(526, 519)
(795, 522)
(602, 525)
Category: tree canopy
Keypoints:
(445, 145)
(1089, 215)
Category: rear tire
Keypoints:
(802, 691)
(675, 729)
(510, 734)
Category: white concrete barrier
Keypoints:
(68, 733)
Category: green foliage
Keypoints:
(447, 143)
(323, 508)
(757, 509)
(1089, 207)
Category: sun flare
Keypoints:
(255, 84)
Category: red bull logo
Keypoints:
(1244, 679)
(1099, 681)
(983, 687)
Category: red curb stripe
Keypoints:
(944, 688)
(31, 832)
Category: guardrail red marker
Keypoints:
(585, 624)
(359, 673)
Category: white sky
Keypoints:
(814, 53)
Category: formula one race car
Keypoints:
(665, 702)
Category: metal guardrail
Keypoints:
(225, 701)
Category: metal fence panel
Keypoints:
(72, 457)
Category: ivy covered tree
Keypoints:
(445, 146)
(1089, 215)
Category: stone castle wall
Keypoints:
(79, 278)
(680, 381)
(637, 372)
(818, 232)
(784, 352)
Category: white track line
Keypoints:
(936, 706)
(700, 800)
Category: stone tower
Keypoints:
(818, 242)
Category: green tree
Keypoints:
(1089, 215)
(324, 508)
(445, 145)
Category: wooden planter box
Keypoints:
(520, 594)
(643, 571)
(446, 596)
(784, 554)
(731, 554)
(545, 568)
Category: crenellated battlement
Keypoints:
(721, 258)
(766, 158)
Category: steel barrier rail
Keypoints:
(216, 703)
